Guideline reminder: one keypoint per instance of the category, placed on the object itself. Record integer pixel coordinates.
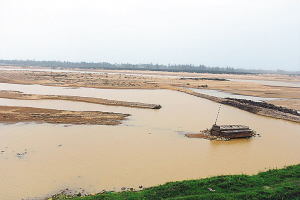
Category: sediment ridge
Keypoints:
(20, 95)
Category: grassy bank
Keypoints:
(273, 184)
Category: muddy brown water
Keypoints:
(148, 149)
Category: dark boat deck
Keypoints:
(231, 131)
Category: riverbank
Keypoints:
(272, 184)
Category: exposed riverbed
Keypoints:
(148, 149)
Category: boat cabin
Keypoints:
(231, 131)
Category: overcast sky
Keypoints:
(251, 34)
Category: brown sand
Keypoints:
(10, 114)
(292, 103)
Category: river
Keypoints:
(147, 149)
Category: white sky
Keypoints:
(252, 34)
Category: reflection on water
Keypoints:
(147, 149)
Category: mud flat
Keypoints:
(11, 114)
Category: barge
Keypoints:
(231, 131)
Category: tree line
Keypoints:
(128, 66)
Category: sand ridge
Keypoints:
(20, 95)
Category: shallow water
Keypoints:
(148, 149)
(218, 93)
(271, 83)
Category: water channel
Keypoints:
(147, 149)
(218, 93)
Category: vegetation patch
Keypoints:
(273, 184)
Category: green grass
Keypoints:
(273, 184)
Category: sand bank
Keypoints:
(11, 114)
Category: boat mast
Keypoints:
(218, 115)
